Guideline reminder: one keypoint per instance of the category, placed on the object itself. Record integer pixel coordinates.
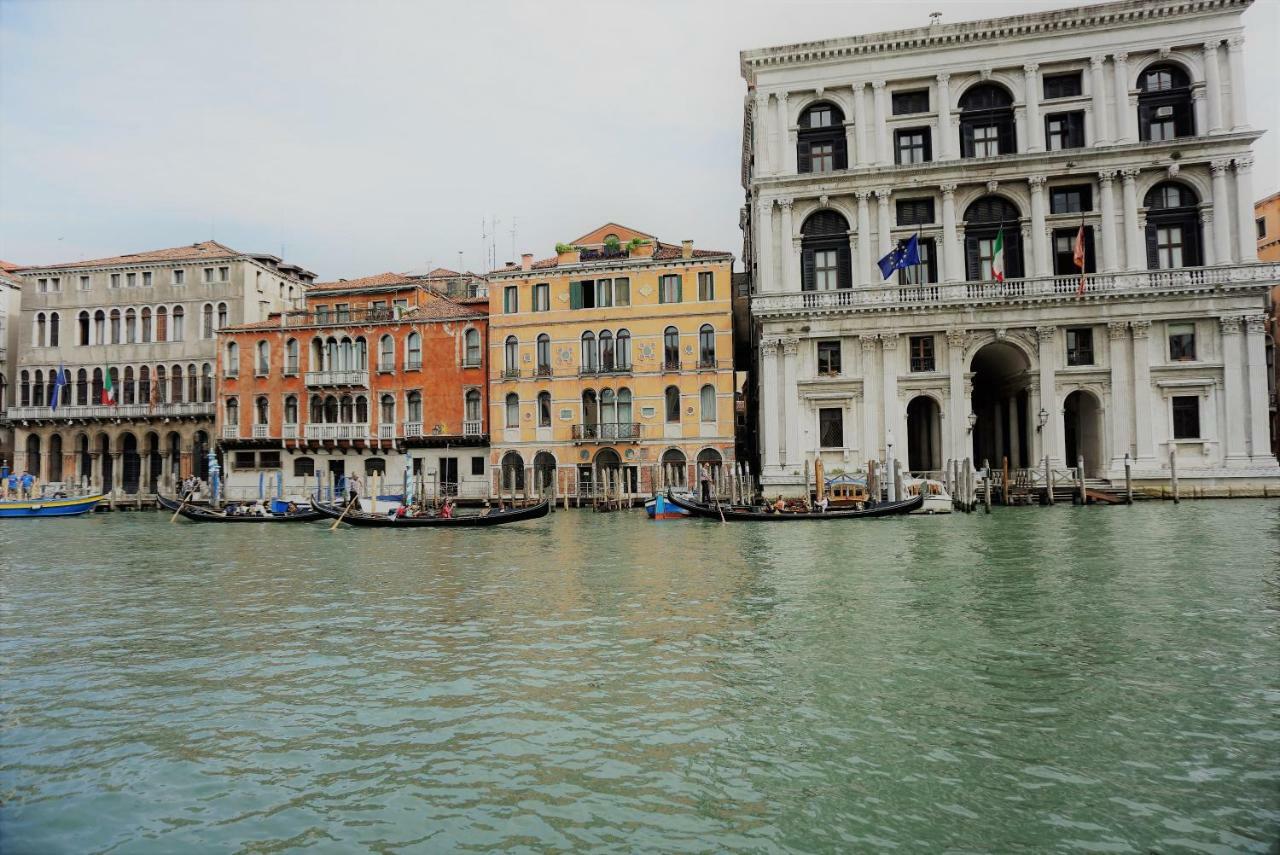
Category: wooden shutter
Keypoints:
(1008, 139)
(807, 273)
(1090, 261)
(928, 144)
(1144, 122)
(804, 162)
(1013, 253)
(662, 289)
(931, 266)
(679, 289)
(1191, 242)
(575, 295)
(1153, 250)
(966, 139)
(840, 152)
(844, 266)
(972, 260)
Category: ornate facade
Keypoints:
(998, 144)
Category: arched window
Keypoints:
(161, 384)
(472, 411)
(331, 362)
(162, 324)
(820, 142)
(24, 389)
(193, 384)
(291, 410)
(1164, 103)
(622, 351)
(544, 355)
(82, 329)
(671, 349)
(626, 430)
(1173, 227)
(590, 414)
(414, 407)
(346, 409)
(511, 356)
(471, 343)
(130, 326)
(304, 467)
(100, 327)
(82, 386)
(708, 402)
(544, 409)
(346, 354)
(606, 351)
(608, 409)
(145, 317)
(115, 326)
(206, 383)
(672, 398)
(179, 315)
(986, 121)
(992, 240)
(387, 410)
(231, 410)
(362, 409)
(175, 384)
(316, 411)
(674, 468)
(706, 347)
(222, 315)
(331, 412)
(825, 264)
(589, 364)
(114, 374)
(291, 356)
(127, 393)
(413, 351)
(206, 321)
(261, 410)
(386, 353)
(55, 321)
(231, 365)
(38, 330)
(264, 359)
(513, 410)
(362, 354)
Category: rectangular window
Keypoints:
(398, 306)
(1169, 247)
(582, 295)
(42, 285)
(1074, 199)
(669, 288)
(269, 460)
(1080, 346)
(1186, 417)
(831, 427)
(477, 465)
(1261, 225)
(905, 103)
(224, 274)
(1163, 124)
(915, 212)
(131, 280)
(342, 312)
(115, 280)
(924, 272)
(378, 311)
(510, 300)
(55, 283)
(622, 291)
(542, 297)
(1062, 85)
(826, 270)
(322, 314)
(986, 141)
(1182, 342)
(146, 279)
(829, 357)
(245, 459)
(922, 353)
(822, 157)
(706, 286)
(913, 145)
(1064, 251)
(986, 258)
(208, 274)
(1064, 130)
(84, 283)
(179, 277)
(604, 293)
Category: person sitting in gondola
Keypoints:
(446, 512)
(822, 504)
(291, 508)
(402, 511)
(779, 505)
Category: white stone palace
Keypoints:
(1127, 119)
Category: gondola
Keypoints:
(493, 517)
(738, 513)
(199, 514)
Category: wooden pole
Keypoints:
(1004, 489)
(897, 480)
(181, 505)
(1173, 475)
(986, 484)
(1128, 479)
(1048, 481)
(1084, 500)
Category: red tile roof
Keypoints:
(378, 280)
(434, 308)
(8, 266)
(205, 250)
(661, 252)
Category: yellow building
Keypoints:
(611, 367)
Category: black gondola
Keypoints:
(738, 513)
(493, 517)
(199, 514)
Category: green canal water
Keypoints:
(1067, 679)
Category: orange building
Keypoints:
(381, 376)
(1266, 218)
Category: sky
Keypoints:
(355, 138)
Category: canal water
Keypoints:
(1067, 679)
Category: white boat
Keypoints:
(936, 498)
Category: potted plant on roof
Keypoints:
(640, 248)
(567, 253)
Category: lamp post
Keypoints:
(1043, 419)
(973, 420)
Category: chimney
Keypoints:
(686, 249)
(526, 261)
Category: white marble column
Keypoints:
(1051, 436)
(1015, 432)
(1212, 86)
(1142, 398)
(1255, 327)
(958, 409)
(883, 225)
(889, 384)
(1020, 128)
(861, 118)
(1098, 89)
(1035, 128)
(1121, 399)
(782, 122)
(1120, 79)
(1233, 387)
(1235, 58)
(1199, 109)
(1209, 257)
(852, 236)
(790, 277)
(862, 275)
(791, 401)
(945, 143)
(871, 396)
(882, 124)
(1245, 232)
(1110, 228)
(1134, 240)
(953, 266)
(765, 268)
(1039, 237)
(1221, 211)
(850, 142)
(760, 125)
(769, 404)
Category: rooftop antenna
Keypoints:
(513, 235)
(459, 261)
(935, 18)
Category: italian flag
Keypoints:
(997, 257)
(108, 393)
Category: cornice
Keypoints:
(607, 266)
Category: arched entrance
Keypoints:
(544, 472)
(1082, 431)
(675, 469)
(152, 463)
(1001, 376)
(33, 456)
(608, 472)
(512, 472)
(105, 461)
(54, 466)
(86, 459)
(200, 451)
(924, 435)
(131, 463)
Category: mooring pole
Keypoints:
(1173, 474)
(1080, 479)
(1128, 479)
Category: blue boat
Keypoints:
(659, 508)
(64, 507)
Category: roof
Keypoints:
(9, 266)
(625, 233)
(435, 308)
(661, 252)
(377, 280)
(202, 251)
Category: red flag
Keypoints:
(1078, 258)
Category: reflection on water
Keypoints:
(1082, 679)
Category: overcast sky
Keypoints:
(355, 138)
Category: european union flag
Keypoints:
(905, 254)
(60, 382)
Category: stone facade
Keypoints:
(1121, 126)
(10, 309)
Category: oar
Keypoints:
(343, 515)
(181, 505)
(720, 509)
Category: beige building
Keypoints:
(143, 325)
(10, 306)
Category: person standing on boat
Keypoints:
(353, 488)
(704, 477)
(28, 484)
(11, 486)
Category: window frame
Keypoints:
(830, 352)
(830, 422)
(1079, 347)
(1181, 337)
(1184, 414)
(918, 139)
(923, 353)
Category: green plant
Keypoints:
(566, 247)
(612, 243)
(636, 242)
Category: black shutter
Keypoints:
(1191, 256)
(966, 139)
(931, 267)
(804, 163)
(1153, 252)
(1013, 253)
(844, 266)
(1076, 124)
(840, 152)
(1183, 121)
(807, 276)
(1144, 122)
(1090, 262)
(928, 145)
(1008, 140)
(972, 261)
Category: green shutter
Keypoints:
(662, 289)
(679, 289)
(575, 295)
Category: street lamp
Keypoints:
(973, 420)
(1043, 415)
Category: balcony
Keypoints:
(472, 428)
(387, 431)
(542, 371)
(346, 431)
(607, 432)
(670, 365)
(338, 378)
(510, 373)
(291, 431)
(707, 364)
(230, 431)
(412, 429)
(122, 411)
(605, 367)
(1031, 290)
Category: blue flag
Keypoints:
(905, 254)
(59, 381)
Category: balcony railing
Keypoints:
(261, 431)
(542, 371)
(607, 432)
(291, 431)
(510, 373)
(605, 366)
(387, 431)
(670, 365)
(337, 431)
(1046, 288)
(412, 429)
(337, 378)
(230, 431)
(121, 411)
(472, 428)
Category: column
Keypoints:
(945, 140)
(883, 225)
(1206, 242)
(882, 124)
(863, 273)
(852, 236)
(760, 126)
(765, 269)
(1235, 58)
(781, 134)
(1031, 78)
(1015, 432)
(1245, 233)
(953, 267)
(117, 472)
(1233, 387)
(958, 409)
(1098, 89)
(861, 118)
(870, 399)
(791, 402)
(769, 404)
(1221, 212)
(1118, 332)
(1213, 86)
(1134, 239)
(851, 141)
(1110, 228)
(1199, 109)
(1039, 238)
(889, 385)
(1020, 127)
(1035, 432)
(1142, 390)
(790, 271)
(1256, 351)
(1120, 79)
(1051, 437)
(95, 471)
